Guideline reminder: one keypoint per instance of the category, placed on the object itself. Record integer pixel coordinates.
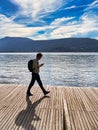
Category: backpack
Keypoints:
(30, 65)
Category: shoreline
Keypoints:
(50, 53)
(50, 86)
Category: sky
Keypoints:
(49, 19)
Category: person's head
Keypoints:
(39, 56)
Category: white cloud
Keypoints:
(83, 27)
(60, 21)
(80, 28)
(10, 28)
(70, 7)
(35, 8)
(87, 7)
(87, 24)
(92, 6)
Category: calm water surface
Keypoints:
(60, 69)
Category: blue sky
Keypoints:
(49, 19)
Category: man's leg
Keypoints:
(31, 84)
(41, 85)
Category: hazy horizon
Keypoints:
(48, 39)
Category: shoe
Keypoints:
(45, 93)
(29, 94)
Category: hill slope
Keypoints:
(18, 44)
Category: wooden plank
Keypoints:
(66, 96)
(93, 102)
(80, 120)
(65, 108)
(80, 104)
(10, 111)
(67, 118)
(5, 90)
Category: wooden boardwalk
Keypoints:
(64, 108)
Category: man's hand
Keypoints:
(41, 65)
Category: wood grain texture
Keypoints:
(64, 108)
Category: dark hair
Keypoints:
(39, 55)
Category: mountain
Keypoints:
(19, 44)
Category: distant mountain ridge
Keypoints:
(19, 44)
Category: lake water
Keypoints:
(60, 69)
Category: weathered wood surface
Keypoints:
(64, 108)
(81, 108)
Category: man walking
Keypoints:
(36, 76)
